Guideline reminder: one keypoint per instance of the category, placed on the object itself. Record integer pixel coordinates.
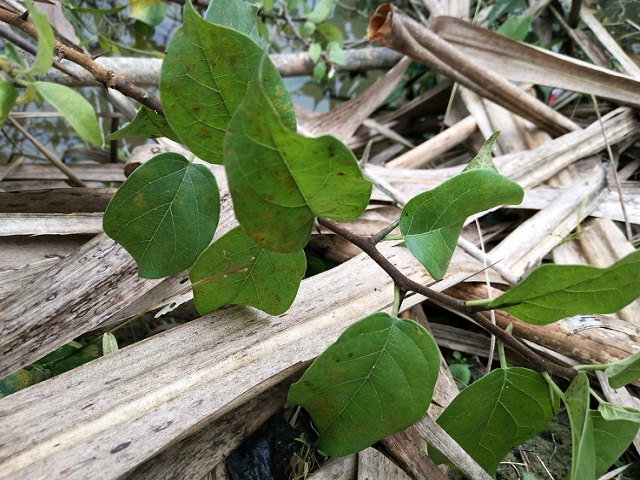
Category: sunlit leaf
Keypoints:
(498, 412)
(151, 12)
(234, 14)
(148, 124)
(516, 27)
(46, 41)
(280, 180)
(583, 456)
(611, 438)
(377, 379)
(321, 11)
(75, 109)
(204, 77)
(431, 222)
(624, 371)
(165, 214)
(553, 292)
(109, 343)
(265, 280)
(315, 50)
(8, 96)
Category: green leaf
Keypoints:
(336, 53)
(151, 12)
(319, 71)
(612, 438)
(583, 456)
(431, 222)
(109, 343)
(624, 371)
(315, 50)
(321, 11)
(165, 214)
(331, 33)
(280, 180)
(516, 27)
(498, 412)
(483, 161)
(204, 77)
(265, 280)
(552, 292)
(46, 41)
(377, 379)
(8, 96)
(75, 108)
(235, 14)
(22, 379)
(146, 123)
(612, 412)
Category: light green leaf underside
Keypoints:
(146, 124)
(265, 280)
(501, 410)
(204, 77)
(431, 222)
(75, 109)
(235, 14)
(483, 161)
(553, 292)
(377, 379)
(280, 180)
(615, 412)
(624, 371)
(151, 12)
(165, 214)
(583, 456)
(46, 41)
(611, 439)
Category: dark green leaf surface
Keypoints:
(431, 222)
(75, 109)
(8, 96)
(265, 280)
(583, 449)
(146, 124)
(204, 78)
(22, 379)
(501, 410)
(553, 292)
(624, 371)
(280, 180)
(46, 41)
(165, 214)
(377, 379)
(236, 15)
(612, 438)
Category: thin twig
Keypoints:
(108, 78)
(459, 306)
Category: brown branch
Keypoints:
(108, 78)
(406, 284)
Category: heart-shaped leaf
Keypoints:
(146, 123)
(165, 214)
(377, 379)
(611, 438)
(583, 455)
(280, 180)
(498, 412)
(431, 222)
(204, 77)
(75, 109)
(265, 280)
(552, 292)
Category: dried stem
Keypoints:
(459, 306)
(108, 78)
